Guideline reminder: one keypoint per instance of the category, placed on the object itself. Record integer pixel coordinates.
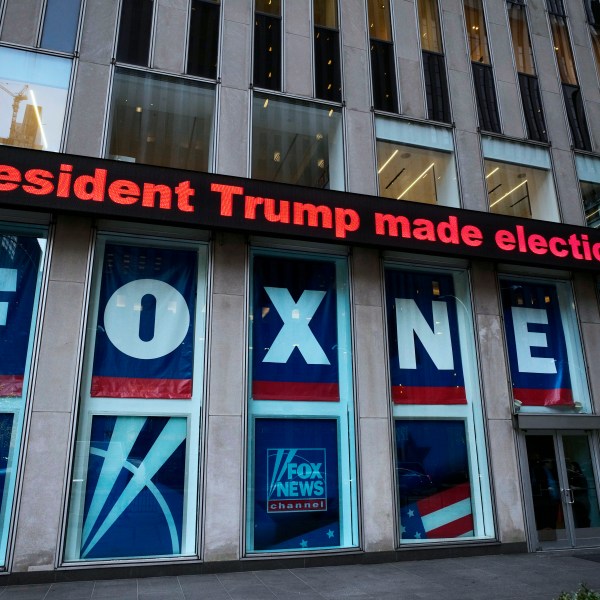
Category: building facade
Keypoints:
(296, 282)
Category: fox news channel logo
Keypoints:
(296, 480)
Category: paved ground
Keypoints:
(523, 576)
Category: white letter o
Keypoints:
(122, 319)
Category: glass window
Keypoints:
(483, 75)
(476, 32)
(383, 64)
(574, 104)
(22, 253)
(301, 456)
(434, 67)
(33, 99)
(380, 23)
(442, 481)
(297, 142)
(135, 29)
(562, 47)
(416, 162)
(544, 349)
(135, 475)
(588, 171)
(328, 80)
(595, 35)
(326, 13)
(267, 45)
(521, 41)
(161, 121)
(519, 180)
(203, 38)
(61, 19)
(429, 26)
(528, 83)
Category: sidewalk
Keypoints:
(522, 576)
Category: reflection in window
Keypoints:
(383, 65)
(588, 171)
(33, 98)
(528, 82)
(328, 85)
(483, 75)
(434, 67)
(442, 481)
(60, 25)
(476, 32)
(416, 162)
(562, 47)
(161, 121)
(519, 180)
(267, 44)
(135, 27)
(297, 142)
(203, 38)
(429, 26)
(568, 76)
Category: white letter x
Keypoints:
(295, 332)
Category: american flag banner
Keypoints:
(434, 480)
(447, 514)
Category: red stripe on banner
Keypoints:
(443, 499)
(11, 385)
(556, 397)
(295, 391)
(131, 387)
(453, 529)
(402, 394)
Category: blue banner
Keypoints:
(537, 349)
(135, 483)
(145, 333)
(20, 258)
(432, 471)
(425, 358)
(294, 330)
(296, 487)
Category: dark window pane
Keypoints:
(576, 117)
(592, 8)
(134, 32)
(60, 25)
(267, 52)
(556, 7)
(384, 76)
(327, 65)
(204, 39)
(485, 93)
(532, 106)
(436, 87)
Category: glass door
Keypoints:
(563, 490)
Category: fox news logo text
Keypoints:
(296, 480)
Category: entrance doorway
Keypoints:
(564, 494)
